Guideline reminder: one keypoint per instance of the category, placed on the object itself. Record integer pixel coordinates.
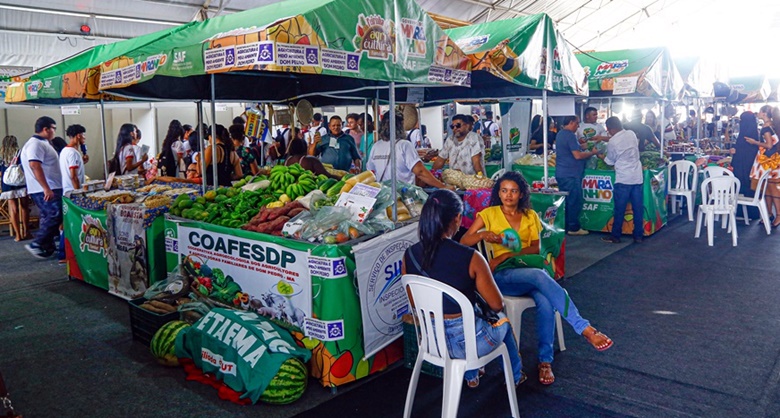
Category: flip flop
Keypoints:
(597, 333)
(546, 376)
(523, 378)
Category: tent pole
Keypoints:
(609, 108)
(202, 145)
(394, 194)
(663, 125)
(103, 130)
(364, 141)
(214, 131)
(544, 137)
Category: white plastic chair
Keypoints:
(683, 184)
(427, 295)
(719, 197)
(498, 174)
(516, 305)
(758, 200)
(717, 171)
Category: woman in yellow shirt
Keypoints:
(512, 228)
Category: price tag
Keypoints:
(70, 110)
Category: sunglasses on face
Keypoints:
(455, 125)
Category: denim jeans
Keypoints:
(573, 185)
(488, 337)
(625, 193)
(549, 297)
(49, 220)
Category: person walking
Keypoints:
(44, 185)
(569, 171)
(71, 163)
(623, 153)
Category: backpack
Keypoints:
(486, 128)
(114, 166)
(409, 135)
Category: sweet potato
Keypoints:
(151, 308)
(162, 305)
(284, 210)
(295, 211)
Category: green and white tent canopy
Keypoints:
(514, 58)
(647, 72)
(755, 89)
(291, 49)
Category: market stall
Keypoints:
(116, 246)
(279, 53)
(598, 201)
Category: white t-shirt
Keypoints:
(492, 126)
(39, 149)
(126, 152)
(70, 158)
(459, 153)
(415, 135)
(623, 153)
(405, 159)
(310, 134)
(589, 130)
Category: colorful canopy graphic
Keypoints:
(527, 51)
(299, 46)
(647, 72)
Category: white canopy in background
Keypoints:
(35, 33)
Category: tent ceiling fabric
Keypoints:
(37, 33)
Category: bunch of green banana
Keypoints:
(281, 178)
(293, 180)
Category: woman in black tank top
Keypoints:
(439, 257)
(228, 163)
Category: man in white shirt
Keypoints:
(415, 136)
(44, 185)
(623, 153)
(465, 151)
(71, 163)
(590, 130)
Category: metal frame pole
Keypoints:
(214, 131)
(391, 96)
(544, 137)
(202, 147)
(103, 130)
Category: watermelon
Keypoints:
(288, 385)
(163, 345)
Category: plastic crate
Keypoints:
(144, 323)
(411, 349)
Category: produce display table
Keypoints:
(87, 247)
(490, 169)
(598, 203)
(346, 298)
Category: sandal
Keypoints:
(546, 376)
(598, 340)
(474, 383)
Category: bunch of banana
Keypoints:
(281, 178)
(293, 180)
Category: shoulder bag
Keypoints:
(14, 174)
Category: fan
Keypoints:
(304, 112)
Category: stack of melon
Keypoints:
(163, 345)
(288, 385)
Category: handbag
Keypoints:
(14, 174)
(481, 308)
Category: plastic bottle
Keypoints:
(410, 202)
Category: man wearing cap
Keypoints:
(465, 151)
(643, 132)
(623, 153)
